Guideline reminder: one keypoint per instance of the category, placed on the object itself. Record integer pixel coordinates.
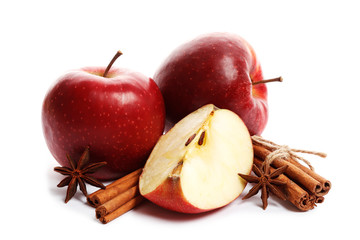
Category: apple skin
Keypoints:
(120, 117)
(216, 68)
(169, 195)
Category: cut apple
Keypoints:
(194, 167)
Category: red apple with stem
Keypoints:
(118, 113)
(217, 68)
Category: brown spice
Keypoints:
(123, 209)
(113, 204)
(114, 191)
(299, 197)
(266, 181)
(77, 174)
(93, 199)
(118, 197)
(297, 175)
(324, 183)
(303, 187)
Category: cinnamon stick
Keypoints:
(121, 210)
(325, 184)
(122, 184)
(299, 197)
(114, 191)
(294, 172)
(113, 204)
(319, 199)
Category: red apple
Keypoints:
(218, 68)
(118, 113)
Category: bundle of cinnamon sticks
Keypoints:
(117, 198)
(304, 188)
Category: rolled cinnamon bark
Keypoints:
(325, 184)
(319, 199)
(113, 204)
(299, 197)
(102, 195)
(108, 194)
(123, 209)
(294, 172)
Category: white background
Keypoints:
(314, 45)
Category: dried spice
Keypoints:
(77, 174)
(118, 198)
(303, 187)
(265, 181)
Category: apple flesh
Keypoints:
(194, 167)
(217, 68)
(119, 116)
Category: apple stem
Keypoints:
(118, 54)
(278, 79)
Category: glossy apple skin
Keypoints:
(216, 68)
(169, 195)
(119, 117)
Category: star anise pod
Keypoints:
(77, 174)
(266, 181)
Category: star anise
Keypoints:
(266, 181)
(77, 174)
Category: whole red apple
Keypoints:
(217, 68)
(118, 113)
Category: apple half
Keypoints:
(194, 167)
